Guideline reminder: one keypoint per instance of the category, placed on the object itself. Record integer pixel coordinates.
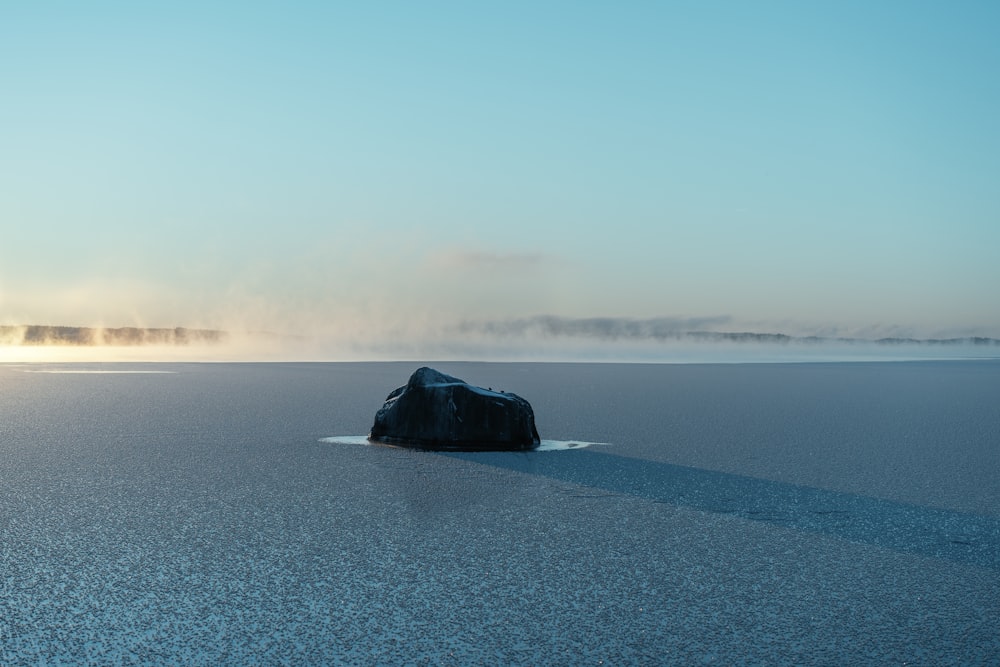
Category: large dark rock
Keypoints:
(437, 411)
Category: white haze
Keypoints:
(356, 337)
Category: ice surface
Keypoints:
(746, 514)
(74, 371)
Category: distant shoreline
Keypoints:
(72, 336)
(39, 335)
(750, 337)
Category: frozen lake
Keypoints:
(823, 513)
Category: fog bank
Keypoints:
(539, 338)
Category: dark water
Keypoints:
(781, 514)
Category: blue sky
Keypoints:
(380, 169)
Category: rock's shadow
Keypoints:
(965, 538)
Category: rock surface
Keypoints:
(438, 411)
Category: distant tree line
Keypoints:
(55, 335)
(749, 337)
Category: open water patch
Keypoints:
(544, 446)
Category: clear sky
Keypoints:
(379, 170)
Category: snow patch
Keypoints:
(545, 446)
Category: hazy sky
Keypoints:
(380, 168)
